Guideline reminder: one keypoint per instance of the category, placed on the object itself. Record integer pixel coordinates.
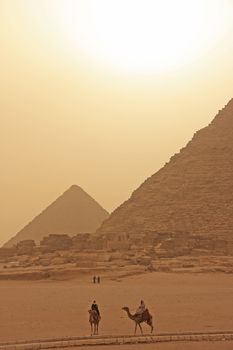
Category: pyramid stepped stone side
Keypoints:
(191, 195)
(72, 213)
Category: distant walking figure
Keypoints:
(94, 279)
(98, 279)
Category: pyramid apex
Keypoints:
(74, 187)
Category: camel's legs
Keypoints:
(135, 330)
(140, 328)
(91, 328)
(150, 323)
(152, 328)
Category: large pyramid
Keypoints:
(192, 193)
(73, 212)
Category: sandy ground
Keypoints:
(178, 302)
(166, 346)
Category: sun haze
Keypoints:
(136, 36)
(102, 93)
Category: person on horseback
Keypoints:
(95, 307)
(141, 308)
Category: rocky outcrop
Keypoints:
(73, 212)
(192, 194)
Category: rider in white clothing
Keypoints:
(141, 308)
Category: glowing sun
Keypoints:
(138, 35)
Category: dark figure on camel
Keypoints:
(94, 318)
(95, 307)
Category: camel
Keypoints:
(94, 320)
(138, 319)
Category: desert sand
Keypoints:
(178, 302)
(173, 346)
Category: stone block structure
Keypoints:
(192, 194)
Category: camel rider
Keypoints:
(95, 307)
(141, 308)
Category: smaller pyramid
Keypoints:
(72, 213)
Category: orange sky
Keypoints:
(66, 119)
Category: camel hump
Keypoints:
(146, 316)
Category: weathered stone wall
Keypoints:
(7, 252)
(55, 242)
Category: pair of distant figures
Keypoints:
(96, 279)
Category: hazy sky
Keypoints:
(102, 93)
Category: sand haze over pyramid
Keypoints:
(73, 212)
(192, 193)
